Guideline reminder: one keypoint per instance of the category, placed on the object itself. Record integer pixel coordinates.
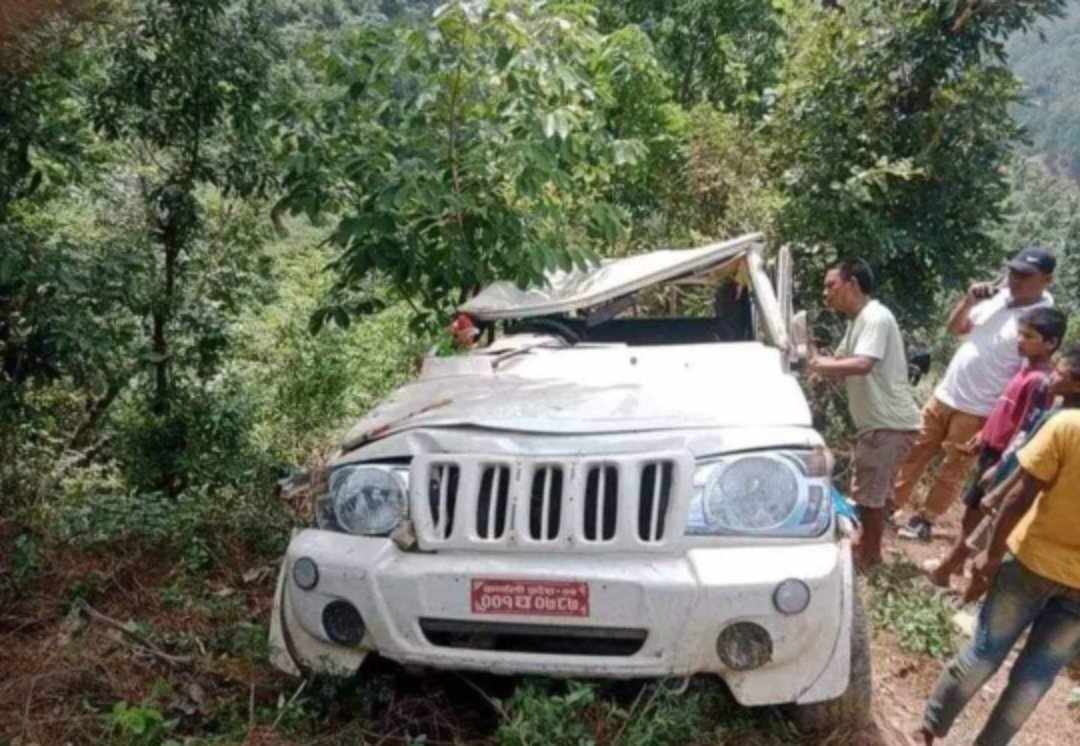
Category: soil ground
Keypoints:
(190, 650)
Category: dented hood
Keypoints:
(590, 390)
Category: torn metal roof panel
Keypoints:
(565, 292)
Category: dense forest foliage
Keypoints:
(1047, 59)
(227, 227)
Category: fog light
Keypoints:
(791, 597)
(744, 645)
(343, 623)
(306, 573)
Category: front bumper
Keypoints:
(681, 602)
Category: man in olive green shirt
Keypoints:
(872, 361)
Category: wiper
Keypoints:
(509, 354)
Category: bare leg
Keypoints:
(953, 562)
(869, 548)
(923, 737)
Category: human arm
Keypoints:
(960, 322)
(1019, 490)
(841, 367)
(1009, 461)
(865, 342)
(1017, 502)
(1040, 463)
(1032, 401)
(1007, 473)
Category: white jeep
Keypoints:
(594, 494)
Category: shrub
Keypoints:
(139, 725)
(194, 524)
(661, 713)
(540, 717)
(901, 602)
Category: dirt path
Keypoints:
(903, 681)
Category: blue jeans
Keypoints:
(1019, 599)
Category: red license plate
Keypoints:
(530, 597)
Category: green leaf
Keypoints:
(503, 57)
(341, 317)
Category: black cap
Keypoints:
(1033, 259)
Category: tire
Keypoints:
(853, 707)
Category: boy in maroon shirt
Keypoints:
(1041, 331)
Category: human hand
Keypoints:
(971, 446)
(981, 577)
(981, 291)
(816, 369)
(985, 566)
(976, 589)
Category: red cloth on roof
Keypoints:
(1026, 390)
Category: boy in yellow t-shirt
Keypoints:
(1036, 588)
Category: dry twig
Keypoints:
(495, 704)
(288, 704)
(97, 616)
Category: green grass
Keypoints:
(902, 602)
(662, 713)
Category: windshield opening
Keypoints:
(672, 314)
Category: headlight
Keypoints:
(773, 493)
(757, 493)
(365, 500)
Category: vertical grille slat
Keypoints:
(601, 503)
(545, 503)
(545, 506)
(653, 500)
(493, 503)
(441, 517)
(442, 498)
(598, 504)
(654, 523)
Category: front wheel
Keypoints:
(853, 707)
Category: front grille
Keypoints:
(654, 500)
(549, 639)
(504, 503)
(492, 504)
(545, 503)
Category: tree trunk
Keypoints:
(95, 409)
(160, 343)
(171, 480)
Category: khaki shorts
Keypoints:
(878, 455)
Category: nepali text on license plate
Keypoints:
(533, 597)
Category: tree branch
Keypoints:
(97, 616)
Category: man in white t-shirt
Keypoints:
(987, 319)
(871, 360)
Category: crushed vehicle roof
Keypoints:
(613, 278)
